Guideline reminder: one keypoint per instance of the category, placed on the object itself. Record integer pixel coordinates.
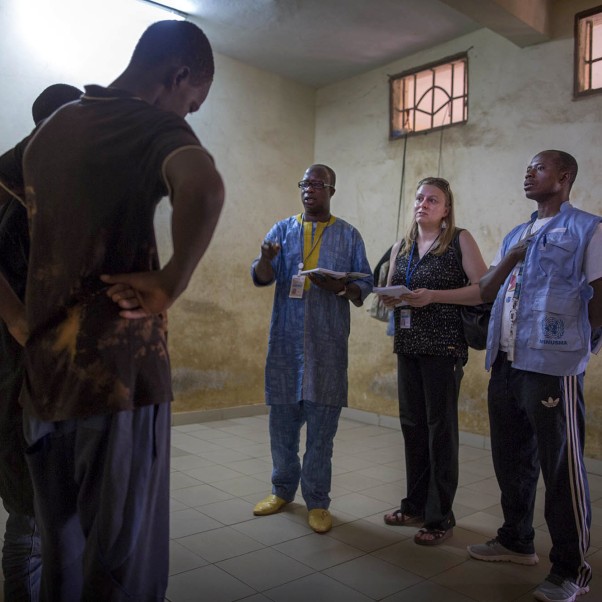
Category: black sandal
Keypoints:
(398, 518)
(437, 536)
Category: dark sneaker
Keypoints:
(494, 551)
(557, 589)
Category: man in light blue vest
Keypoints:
(547, 284)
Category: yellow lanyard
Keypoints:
(312, 241)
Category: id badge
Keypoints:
(297, 284)
(405, 318)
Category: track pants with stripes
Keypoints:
(537, 420)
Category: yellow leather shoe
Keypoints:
(269, 505)
(320, 520)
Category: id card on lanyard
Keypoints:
(298, 282)
(405, 318)
(405, 314)
(297, 285)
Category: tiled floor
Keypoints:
(220, 552)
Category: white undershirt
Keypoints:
(592, 267)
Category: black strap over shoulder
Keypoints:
(475, 318)
(455, 245)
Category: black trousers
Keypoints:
(428, 389)
(21, 550)
(539, 420)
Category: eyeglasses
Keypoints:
(317, 184)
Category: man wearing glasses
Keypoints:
(306, 367)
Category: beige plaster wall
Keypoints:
(260, 129)
(520, 103)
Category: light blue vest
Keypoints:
(552, 326)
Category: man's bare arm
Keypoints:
(12, 311)
(595, 304)
(197, 196)
(496, 275)
(262, 266)
(197, 199)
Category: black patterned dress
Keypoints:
(436, 329)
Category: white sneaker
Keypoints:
(494, 551)
(557, 589)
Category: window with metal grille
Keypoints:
(430, 97)
(588, 52)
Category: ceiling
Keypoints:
(318, 42)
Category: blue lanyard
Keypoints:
(519, 275)
(410, 273)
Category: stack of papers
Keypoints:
(391, 291)
(337, 275)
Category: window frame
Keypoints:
(463, 56)
(577, 59)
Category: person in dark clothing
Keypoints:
(97, 389)
(21, 552)
(429, 339)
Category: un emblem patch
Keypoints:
(552, 328)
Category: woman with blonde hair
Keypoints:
(431, 352)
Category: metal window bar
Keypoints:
(587, 59)
(406, 110)
(587, 29)
(432, 111)
(591, 60)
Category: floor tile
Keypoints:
(355, 481)
(182, 560)
(318, 552)
(359, 505)
(230, 512)
(427, 591)
(206, 583)
(366, 536)
(212, 473)
(265, 569)
(421, 560)
(220, 544)
(181, 480)
(242, 485)
(190, 521)
(272, 530)
(317, 588)
(200, 495)
(253, 466)
(484, 581)
(373, 577)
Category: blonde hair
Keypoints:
(447, 233)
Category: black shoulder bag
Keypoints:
(475, 318)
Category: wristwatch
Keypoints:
(343, 292)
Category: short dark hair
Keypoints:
(565, 162)
(568, 163)
(328, 170)
(180, 41)
(51, 99)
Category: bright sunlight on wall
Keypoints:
(72, 37)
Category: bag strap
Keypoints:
(395, 250)
(457, 249)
